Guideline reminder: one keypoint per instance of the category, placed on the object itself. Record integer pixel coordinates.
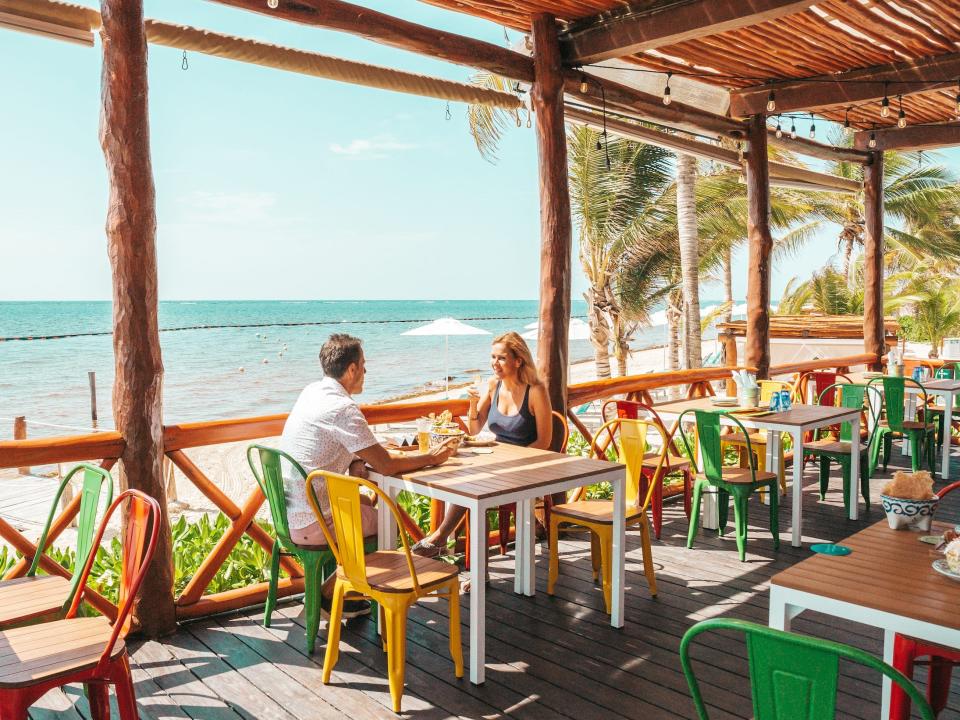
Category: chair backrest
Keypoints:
(94, 479)
(948, 489)
(791, 676)
(894, 394)
(140, 533)
(708, 432)
(635, 410)
(559, 417)
(630, 441)
(768, 387)
(822, 379)
(945, 372)
(269, 477)
(852, 396)
(346, 541)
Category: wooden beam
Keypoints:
(556, 234)
(820, 151)
(609, 35)
(873, 326)
(757, 350)
(850, 88)
(912, 137)
(131, 238)
(394, 32)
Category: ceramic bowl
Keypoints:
(909, 514)
(440, 435)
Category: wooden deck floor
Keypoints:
(548, 657)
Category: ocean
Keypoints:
(46, 380)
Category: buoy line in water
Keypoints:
(26, 338)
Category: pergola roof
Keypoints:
(907, 47)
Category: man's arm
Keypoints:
(377, 457)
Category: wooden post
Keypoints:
(873, 329)
(20, 433)
(92, 378)
(131, 240)
(730, 358)
(757, 345)
(555, 224)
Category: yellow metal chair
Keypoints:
(758, 440)
(394, 579)
(631, 447)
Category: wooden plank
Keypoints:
(632, 31)
(803, 146)
(760, 242)
(394, 32)
(131, 239)
(912, 137)
(874, 340)
(854, 87)
(556, 232)
(44, 451)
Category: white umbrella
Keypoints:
(446, 327)
(579, 330)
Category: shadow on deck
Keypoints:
(548, 657)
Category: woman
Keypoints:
(516, 408)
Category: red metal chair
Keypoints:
(906, 650)
(88, 650)
(652, 471)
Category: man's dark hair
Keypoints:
(338, 352)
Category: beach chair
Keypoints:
(87, 650)
(791, 676)
(738, 483)
(597, 515)
(45, 597)
(394, 579)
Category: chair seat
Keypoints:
(593, 511)
(28, 598)
(35, 653)
(831, 447)
(651, 460)
(738, 438)
(742, 476)
(387, 571)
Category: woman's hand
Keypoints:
(473, 395)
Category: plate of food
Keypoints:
(484, 438)
(723, 401)
(949, 564)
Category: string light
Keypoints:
(184, 64)
(873, 138)
(529, 121)
(793, 129)
(584, 86)
(771, 102)
(885, 103)
(813, 128)
(779, 129)
(273, 4)
(901, 116)
(666, 90)
(958, 97)
(846, 122)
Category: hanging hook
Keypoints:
(184, 65)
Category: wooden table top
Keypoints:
(946, 384)
(507, 469)
(888, 570)
(797, 416)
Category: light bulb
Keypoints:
(519, 121)
(958, 103)
(273, 4)
(813, 131)
(793, 130)
(873, 140)
(666, 90)
(902, 120)
(885, 107)
(771, 102)
(779, 130)
(584, 87)
(599, 146)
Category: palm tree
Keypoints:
(689, 257)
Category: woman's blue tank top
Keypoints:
(519, 429)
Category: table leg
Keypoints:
(478, 591)
(524, 580)
(774, 455)
(797, 530)
(888, 637)
(947, 422)
(709, 508)
(910, 413)
(854, 488)
(781, 612)
(619, 545)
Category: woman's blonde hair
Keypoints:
(517, 347)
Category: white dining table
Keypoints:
(480, 482)
(797, 421)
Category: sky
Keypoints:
(272, 185)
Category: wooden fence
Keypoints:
(106, 447)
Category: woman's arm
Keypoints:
(540, 407)
(479, 407)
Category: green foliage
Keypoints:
(417, 507)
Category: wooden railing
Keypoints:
(106, 447)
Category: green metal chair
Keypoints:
(736, 482)
(39, 597)
(317, 560)
(947, 372)
(830, 449)
(791, 676)
(919, 433)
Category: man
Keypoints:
(327, 431)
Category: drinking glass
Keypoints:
(478, 384)
(423, 434)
